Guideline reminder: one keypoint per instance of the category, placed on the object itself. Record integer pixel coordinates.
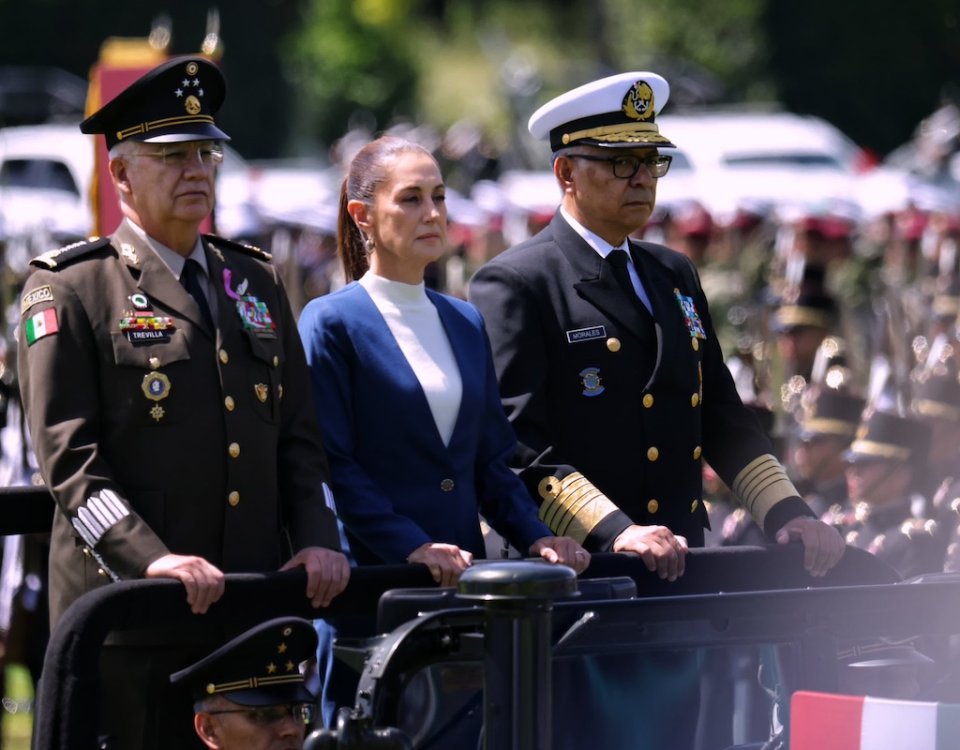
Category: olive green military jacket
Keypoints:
(157, 435)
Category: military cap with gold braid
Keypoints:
(617, 111)
(886, 436)
(813, 308)
(937, 391)
(260, 667)
(829, 412)
(174, 102)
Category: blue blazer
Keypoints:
(396, 485)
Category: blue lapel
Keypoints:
(380, 338)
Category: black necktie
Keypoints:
(190, 278)
(617, 259)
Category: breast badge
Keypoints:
(592, 384)
(690, 315)
(253, 313)
(156, 387)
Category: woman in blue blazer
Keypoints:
(407, 396)
(405, 386)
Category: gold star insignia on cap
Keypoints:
(271, 668)
(281, 648)
(290, 666)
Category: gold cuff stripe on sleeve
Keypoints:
(572, 506)
(573, 502)
(762, 484)
(577, 504)
(880, 450)
(829, 426)
(554, 515)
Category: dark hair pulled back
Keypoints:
(369, 169)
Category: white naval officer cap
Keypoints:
(617, 111)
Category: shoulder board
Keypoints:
(250, 250)
(64, 255)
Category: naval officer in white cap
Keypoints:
(609, 367)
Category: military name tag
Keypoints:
(145, 327)
(139, 337)
(586, 334)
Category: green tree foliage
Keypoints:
(351, 61)
(721, 38)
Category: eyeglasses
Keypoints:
(179, 155)
(627, 165)
(264, 716)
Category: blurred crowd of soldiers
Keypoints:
(844, 337)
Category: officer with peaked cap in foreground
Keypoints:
(609, 367)
(168, 399)
(249, 694)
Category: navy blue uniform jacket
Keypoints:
(397, 486)
(596, 386)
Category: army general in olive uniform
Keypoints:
(167, 391)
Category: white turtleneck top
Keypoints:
(415, 324)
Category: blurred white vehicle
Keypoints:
(727, 158)
(45, 176)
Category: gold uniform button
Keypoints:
(694, 505)
(446, 485)
(653, 506)
(653, 454)
(696, 453)
(234, 450)
(224, 357)
(694, 400)
(695, 343)
(647, 400)
(87, 552)
(101, 572)
(613, 344)
(276, 361)
(234, 498)
(229, 403)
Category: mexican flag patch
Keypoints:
(40, 325)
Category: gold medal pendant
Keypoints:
(156, 387)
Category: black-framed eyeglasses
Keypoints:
(264, 716)
(626, 166)
(181, 154)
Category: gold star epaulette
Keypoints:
(63, 256)
(251, 250)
